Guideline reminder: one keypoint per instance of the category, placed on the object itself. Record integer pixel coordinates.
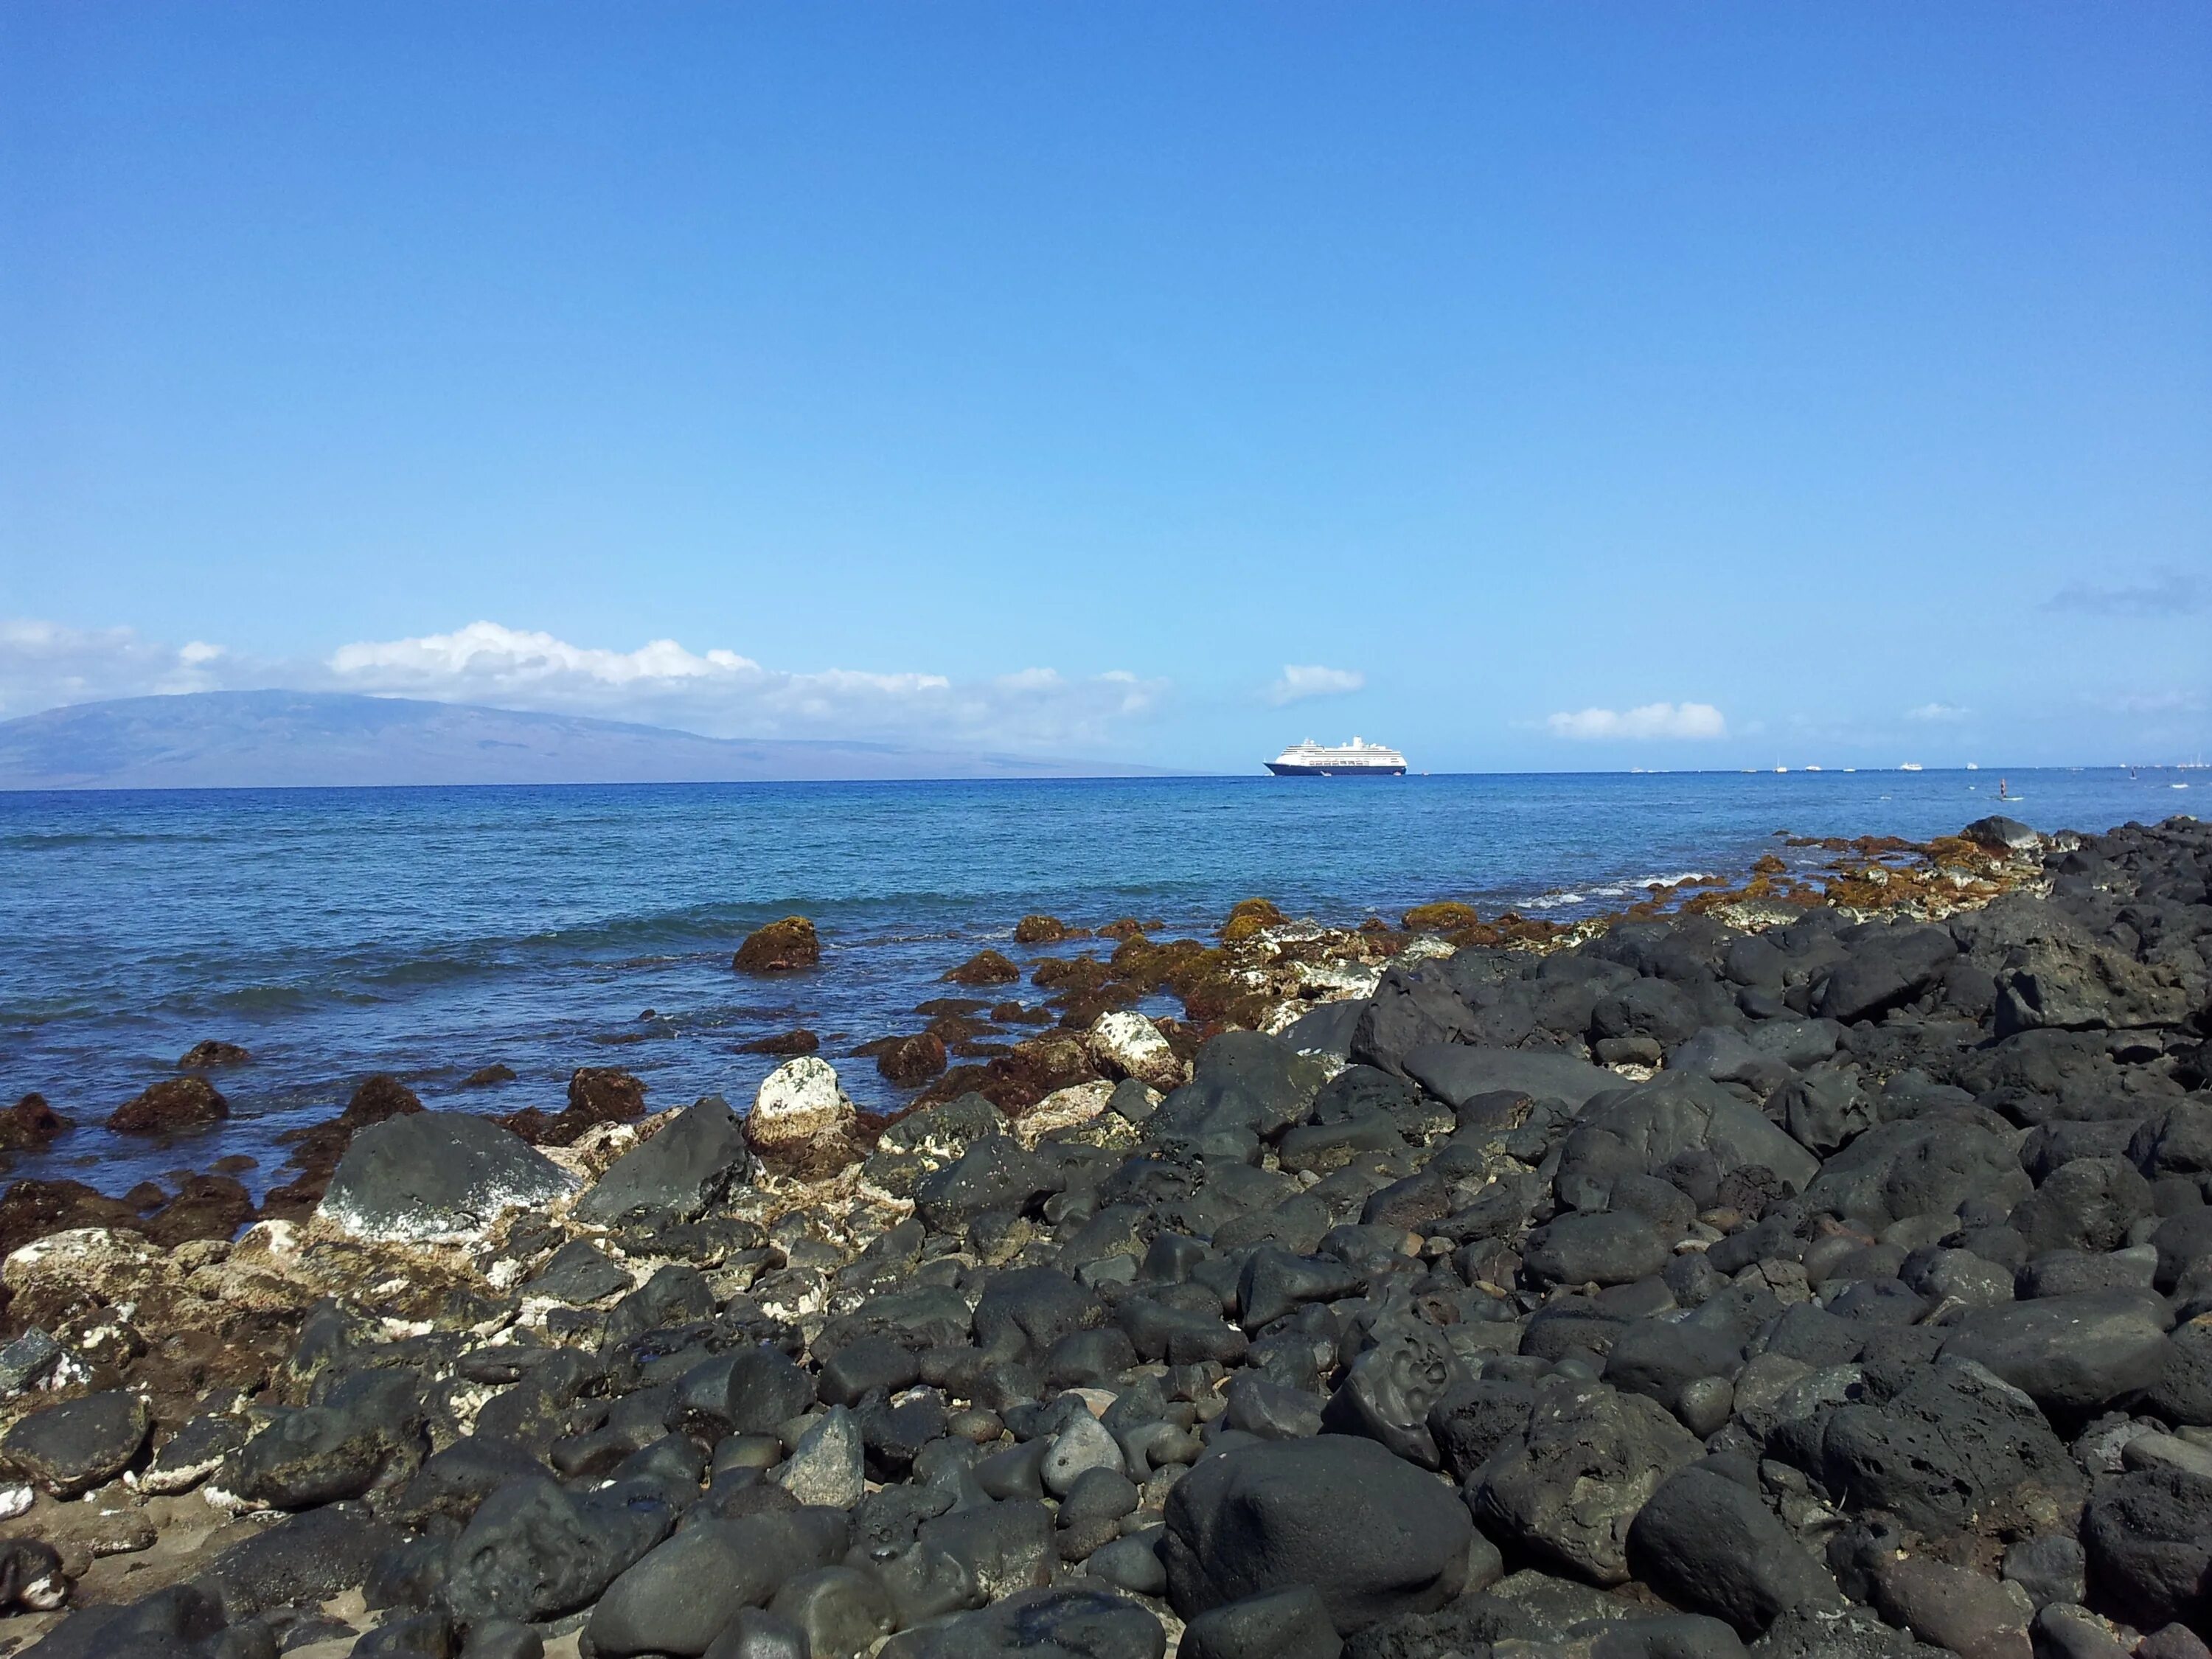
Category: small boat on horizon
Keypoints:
(1356, 759)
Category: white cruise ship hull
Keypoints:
(1334, 769)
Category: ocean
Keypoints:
(428, 933)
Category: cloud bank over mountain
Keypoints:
(716, 692)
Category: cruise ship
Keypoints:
(1355, 759)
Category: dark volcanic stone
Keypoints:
(1456, 1074)
(1589, 1459)
(1003, 1546)
(682, 1593)
(304, 1558)
(1705, 1542)
(597, 1095)
(1060, 1623)
(29, 1124)
(371, 1427)
(2149, 1539)
(79, 1444)
(171, 1107)
(1647, 1128)
(1373, 1535)
(985, 968)
(578, 1273)
(2088, 1204)
(210, 1052)
(1893, 966)
(1387, 1392)
(436, 1173)
(1284, 1623)
(1603, 1248)
(534, 1551)
(1949, 1453)
(2071, 1354)
(183, 1620)
(684, 1170)
(911, 1062)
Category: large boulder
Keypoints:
(171, 1106)
(780, 947)
(1708, 1543)
(79, 1444)
(1373, 1535)
(1953, 1450)
(1124, 1043)
(2149, 1539)
(1457, 1075)
(1070, 1621)
(2073, 1355)
(1414, 1006)
(534, 1551)
(802, 1123)
(684, 1170)
(1919, 1166)
(1888, 968)
(2055, 975)
(682, 1593)
(1243, 1082)
(1566, 1491)
(436, 1176)
(1642, 1130)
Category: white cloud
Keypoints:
(2162, 594)
(1301, 681)
(719, 692)
(1653, 719)
(42, 664)
(1941, 714)
(2149, 702)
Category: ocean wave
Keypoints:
(1610, 892)
(47, 841)
(1551, 900)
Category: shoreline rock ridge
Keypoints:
(1790, 1268)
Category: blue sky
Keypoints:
(1528, 386)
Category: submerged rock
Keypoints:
(212, 1052)
(171, 1107)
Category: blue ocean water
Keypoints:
(432, 932)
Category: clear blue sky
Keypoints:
(1838, 377)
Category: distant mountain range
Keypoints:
(274, 739)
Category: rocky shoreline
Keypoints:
(1792, 1266)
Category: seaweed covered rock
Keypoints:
(173, 1106)
(780, 947)
(984, 967)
